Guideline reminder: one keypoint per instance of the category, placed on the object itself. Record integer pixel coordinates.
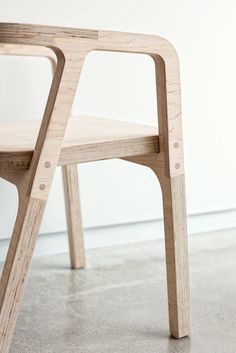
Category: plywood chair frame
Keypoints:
(69, 48)
(69, 172)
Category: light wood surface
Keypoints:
(31, 168)
(86, 139)
(73, 215)
(176, 244)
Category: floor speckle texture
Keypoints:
(118, 304)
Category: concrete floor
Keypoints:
(118, 304)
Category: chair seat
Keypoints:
(87, 139)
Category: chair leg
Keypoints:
(73, 214)
(173, 190)
(17, 264)
(176, 243)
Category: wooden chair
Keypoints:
(30, 153)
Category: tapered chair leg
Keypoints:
(173, 190)
(176, 244)
(73, 214)
(17, 264)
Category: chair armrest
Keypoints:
(29, 50)
(71, 47)
(40, 35)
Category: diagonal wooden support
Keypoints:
(69, 48)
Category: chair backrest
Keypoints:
(68, 47)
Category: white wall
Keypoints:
(121, 86)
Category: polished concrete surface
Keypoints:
(118, 304)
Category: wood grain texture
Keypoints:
(12, 31)
(17, 265)
(31, 164)
(86, 139)
(34, 186)
(157, 47)
(73, 216)
(176, 244)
